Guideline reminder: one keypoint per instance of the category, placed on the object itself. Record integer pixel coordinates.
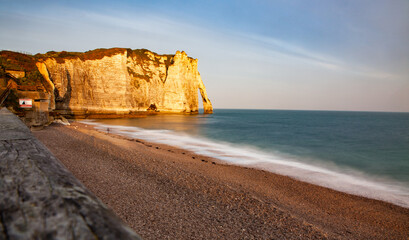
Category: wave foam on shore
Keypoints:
(344, 180)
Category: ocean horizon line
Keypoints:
(307, 110)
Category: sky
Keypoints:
(253, 54)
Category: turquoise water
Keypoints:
(364, 153)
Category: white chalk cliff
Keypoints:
(123, 81)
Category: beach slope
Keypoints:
(168, 193)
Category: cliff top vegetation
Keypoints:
(16, 61)
(95, 54)
(10, 60)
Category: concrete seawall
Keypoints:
(41, 199)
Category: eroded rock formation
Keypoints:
(122, 81)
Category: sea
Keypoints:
(361, 153)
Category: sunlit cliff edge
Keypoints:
(111, 81)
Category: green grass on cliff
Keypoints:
(10, 60)
(21, 62)
(141, 54)
(17, 61)
(89, 55)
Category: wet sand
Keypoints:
(167, 193)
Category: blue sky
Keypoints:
(270, 54)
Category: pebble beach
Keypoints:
(164, 192)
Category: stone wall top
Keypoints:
(41, 199)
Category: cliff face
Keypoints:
(123, 82)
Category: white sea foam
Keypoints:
(345, 180)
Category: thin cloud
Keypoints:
(263, 68)
(329, 62)
(290, 49)
(174, 31)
